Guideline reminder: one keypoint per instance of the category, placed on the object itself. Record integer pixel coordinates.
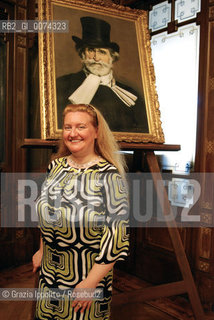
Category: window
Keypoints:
(176, 58)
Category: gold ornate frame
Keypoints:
(48, 105)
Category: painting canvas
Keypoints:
(105, 60)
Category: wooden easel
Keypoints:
(187, 285)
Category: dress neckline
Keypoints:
(65, 160)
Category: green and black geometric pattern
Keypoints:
(83, 217)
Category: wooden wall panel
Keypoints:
(15, 246)
(204, 259)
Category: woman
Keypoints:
(83, 213)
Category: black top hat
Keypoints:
(95, 33)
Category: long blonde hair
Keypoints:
(105, 144)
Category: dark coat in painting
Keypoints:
(119, 116)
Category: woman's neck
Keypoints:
(83, 162)
(83, 159)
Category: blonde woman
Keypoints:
(83, 211)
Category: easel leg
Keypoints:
(176, 240)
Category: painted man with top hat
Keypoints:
(121, 106)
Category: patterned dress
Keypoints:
(83, 218)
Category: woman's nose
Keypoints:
(73, 132)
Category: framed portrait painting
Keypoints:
(103, 58)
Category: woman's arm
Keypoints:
(37, 257)
(96, 274)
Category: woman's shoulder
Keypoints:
(56, 163)
(106, 167)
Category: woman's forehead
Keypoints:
(80, 116)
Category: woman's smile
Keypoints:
(72, 140)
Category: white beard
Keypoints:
(97, 68)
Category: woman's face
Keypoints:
(79, 134)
